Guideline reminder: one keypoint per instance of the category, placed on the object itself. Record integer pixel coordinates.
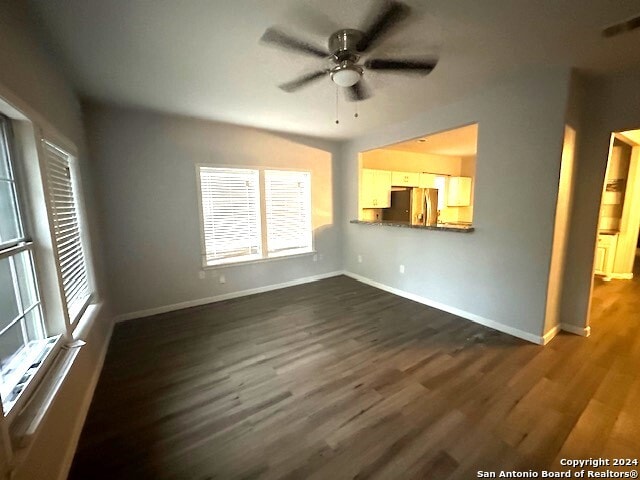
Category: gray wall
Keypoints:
(500, 272)
(146, 163)
(609, 104)
(32, 76)
(29, 72)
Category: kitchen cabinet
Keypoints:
(605, 255)
(428, 180)
(459, 192)
(375, 189)
(405, 179)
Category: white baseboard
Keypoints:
(226, 296)
(547, 337)
(530, 337)
(582, 331)
(622, 276)
(84, 408)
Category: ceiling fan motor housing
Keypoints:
(343, 45)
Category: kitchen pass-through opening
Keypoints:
(428, 180)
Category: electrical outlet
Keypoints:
(222, 279)
(315, 257)
(401, 268)
(202, 274)
(359, 258)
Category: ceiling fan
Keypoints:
(346, 47)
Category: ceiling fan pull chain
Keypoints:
(355, 115)
(337, 113)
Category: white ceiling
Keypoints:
(202, 57)
(460, 142)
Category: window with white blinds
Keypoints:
(230, 199)
(67, 230)
(253, 214)
(288, 211)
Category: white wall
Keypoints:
(146, 163)
(610, 104)
(499, 272)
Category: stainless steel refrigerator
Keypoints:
(415, 206)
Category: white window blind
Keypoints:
(288, 211)
(230, 214)
(67, 231)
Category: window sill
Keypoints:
(260, 260)
(35, 408)
(28, 374)
(86, 321)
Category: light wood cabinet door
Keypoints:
(367, 187)
(382, 182)
(605, 255)
(405, 179)
(428, 180)
(375, 189)
(459, 192)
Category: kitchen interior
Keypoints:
(618, 244)
(426, 182)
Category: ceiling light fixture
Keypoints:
(346, 74)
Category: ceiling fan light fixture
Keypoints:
(346, 75)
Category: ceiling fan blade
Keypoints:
(281, 39)
(392, 14)
(420, 66)
(358, 92)
(303, 81)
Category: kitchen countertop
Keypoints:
(443, 227)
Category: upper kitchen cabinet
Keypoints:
(459, 192)
(428, 180)
(405, 179)
(375, 189)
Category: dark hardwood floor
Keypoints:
(337, 379)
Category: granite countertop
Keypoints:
(443, 227)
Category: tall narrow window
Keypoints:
(288, 212)
(67, 230)
(21, 327)
(230, 201)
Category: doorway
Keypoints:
(616, 268)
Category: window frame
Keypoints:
(289, 251)
(50, 342)
(265, 256)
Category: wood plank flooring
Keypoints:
(336, 379)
